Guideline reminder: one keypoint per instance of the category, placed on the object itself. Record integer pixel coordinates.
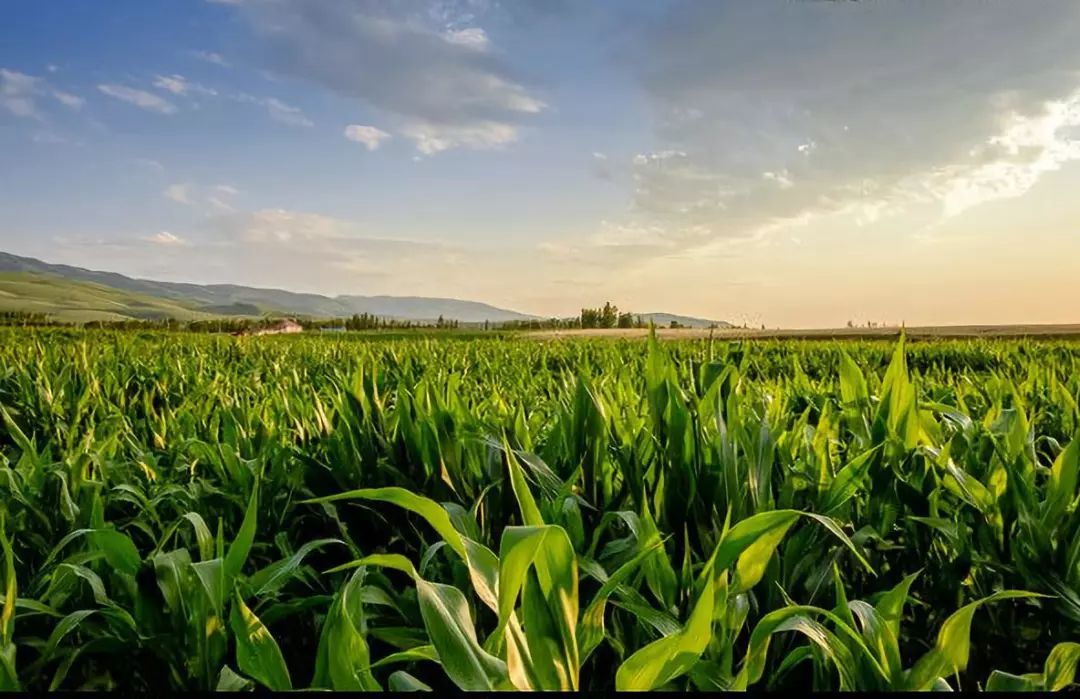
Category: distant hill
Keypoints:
(187, 300)
(71, 301)
(664, 320)
(74, 294)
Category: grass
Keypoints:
(359, 513)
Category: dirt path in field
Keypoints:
(954, 331)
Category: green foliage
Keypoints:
(346, 512)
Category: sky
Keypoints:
(793, 163)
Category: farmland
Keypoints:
(356, 513)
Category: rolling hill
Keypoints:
(216, 299)
(74, 294)
(72, 301)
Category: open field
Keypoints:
(357, 512)
(914, 333)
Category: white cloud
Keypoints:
(17, 92)
(179, 85)
(474, 38)
(622, 235)
(207, 199)
(1029, 146)
(219, 204)
(139, 98)
(782, 178)
(278, 110)
(68, 100)
(166, 238)
(430, 139)
(286, 113)
(370, 136)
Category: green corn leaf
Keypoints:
(672, 656)
(1005, 682)
(402, 681)
(119, 550)
(240, 547)
(1060, 669)
(1064, 479)
(483, 565)
(553, 606)
(343, 661)
(203, 536)
(530, 513)
(230, 681)
(9, 679)
(257, 653)
(274, 576)
(950, 653)
(450, 628)
(426, 652)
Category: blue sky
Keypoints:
(793, 163)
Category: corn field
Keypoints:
(183, 512)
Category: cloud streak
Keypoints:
(20, 94)
(139, 98)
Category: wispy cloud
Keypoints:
(431, 138)
(19, 94)
(211, 57)
(208, 200)
(68, 100)
(277, 110)
(179, 85)
(165, 238)
(139, 98)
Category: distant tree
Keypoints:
(609, 315)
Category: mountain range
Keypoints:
(75, 294)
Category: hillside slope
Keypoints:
(72, 301)
(231, 299)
